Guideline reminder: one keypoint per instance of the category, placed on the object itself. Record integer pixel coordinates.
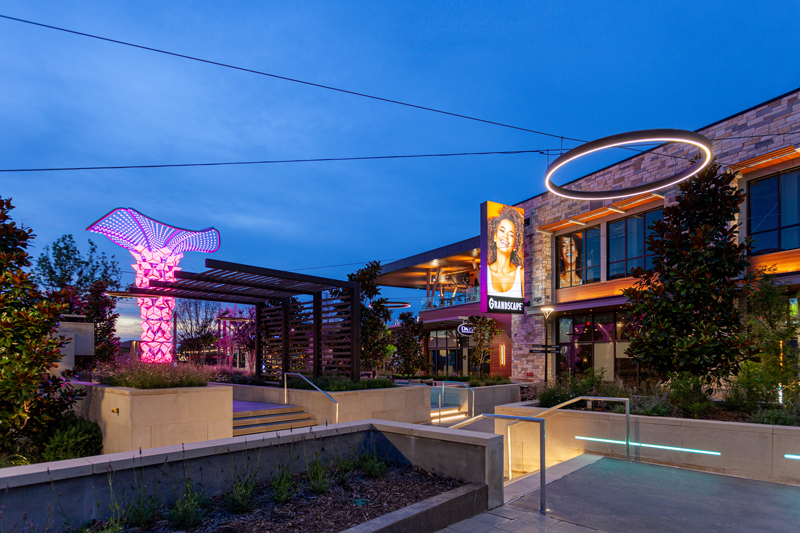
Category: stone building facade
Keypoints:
(760, 131)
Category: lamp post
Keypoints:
(546, 312)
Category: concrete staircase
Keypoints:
(254, 417)
(451, 414)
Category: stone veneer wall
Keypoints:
(781, 115)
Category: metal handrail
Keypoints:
(296, 374)
(471, 411)
(440, 403)
(627, 402)
(542, 462)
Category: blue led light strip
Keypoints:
(658, 446)
(790, 456)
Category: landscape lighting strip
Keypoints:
(790, 456)
(673, 448)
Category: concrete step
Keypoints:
(448, 419)
(269, 418)
(275, 426)
(266, 412)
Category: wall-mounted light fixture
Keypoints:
(503, 355)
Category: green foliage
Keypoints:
(777, 417)
(317, 476)
(32, 402)
(189, 509)
(555, 393)
(654, 405)
(62, 265)
(753, 388)
(99, 309)
(283, 485)
(690, 394)
(143, 507)
(375, 336)
(372, 465)
(485, 330)
(410, 355)
(77, 438)
(569, 387)
(339, 385)
(486, 381)
(685, 313)
(242, 496)
(140, 375)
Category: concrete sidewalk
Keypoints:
(615, 496)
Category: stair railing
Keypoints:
(440, 403)
(301, 376)
(472, 409)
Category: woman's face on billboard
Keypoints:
(506, 236)
(569, 253)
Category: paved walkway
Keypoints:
(618, 497)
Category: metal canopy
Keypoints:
(237, 283)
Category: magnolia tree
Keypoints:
(410, 354)
(33, 402)
(685, 310)
(485, 329)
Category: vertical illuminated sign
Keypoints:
(502, 258)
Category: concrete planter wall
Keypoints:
(401, 404)
(83, 489)
(754, 451)
(149, 418)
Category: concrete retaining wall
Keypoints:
(401, 404)
(754, 451)
(486, 398)
(149, 418)
(74, 491)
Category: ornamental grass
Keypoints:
(140, 375)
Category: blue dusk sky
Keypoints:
(577, 69)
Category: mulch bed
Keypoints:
(340, 508)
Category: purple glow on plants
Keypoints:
(157, 248)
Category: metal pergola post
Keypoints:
(285, 334)
(317, 320)
(355, 332)
(258, 356)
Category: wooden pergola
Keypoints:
(320, 336)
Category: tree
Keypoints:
(375, 336)
(410, 355)
(99, 309)
(773, 326)
(62, 265)
(685, 313)
(32, 403)
(485, 329)
(196, 325)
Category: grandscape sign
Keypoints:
(502, 258)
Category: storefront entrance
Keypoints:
(594, 341)
(449, 352)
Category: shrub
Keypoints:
(689, 394)
(555, 393)
(372, 465)
(155, 375)
(142, 509)
(77, 438)
(317, 476)
(750, 390)
(656, 405)
(487, 381)
(777, 417)
(339, 384)
(188, 510)
(242, 496)
(283, 485)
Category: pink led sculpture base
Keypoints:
(157, 248)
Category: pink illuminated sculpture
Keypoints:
(157, 248)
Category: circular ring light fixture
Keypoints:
(397, 305)
(622, 139)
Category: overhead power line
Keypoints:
(276, 161)
(285, 78)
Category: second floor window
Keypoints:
(773, 219)
(626, 244)
(578, 258)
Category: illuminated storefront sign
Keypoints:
(502, 258)
(465, 330)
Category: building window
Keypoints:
(774, 213)
(578, 258)
(627, 248)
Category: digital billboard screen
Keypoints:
(502, 258)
